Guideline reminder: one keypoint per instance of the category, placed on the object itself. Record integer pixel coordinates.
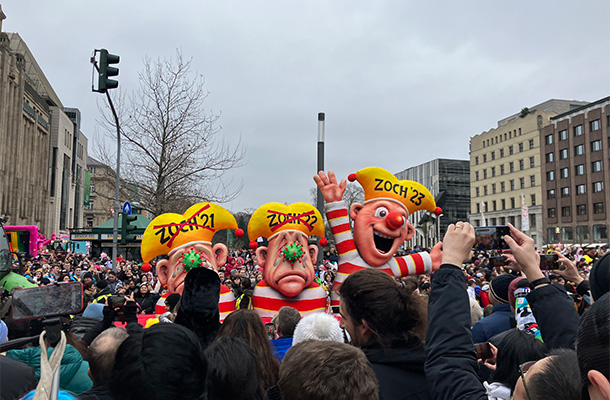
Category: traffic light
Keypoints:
(106, 71)
(127, 227)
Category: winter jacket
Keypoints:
(97, 392)
(497, 322)
(281, 346)
(73, 370)
(16, 379)
(147, 302)
(451, 364)
(400, 372)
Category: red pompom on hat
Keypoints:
(323, 242)
(351, 177)
(239, 233)
(253, 245)
(146, 267)
(438, 211)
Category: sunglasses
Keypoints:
(523, 368)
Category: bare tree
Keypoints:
(171, 149)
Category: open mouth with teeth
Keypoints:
(383, 243)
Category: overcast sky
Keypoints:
(401, 82)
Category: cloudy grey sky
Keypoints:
(401, 82)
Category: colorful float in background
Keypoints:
(26, 240)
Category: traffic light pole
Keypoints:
(115, 228)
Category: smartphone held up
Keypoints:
(491, 237)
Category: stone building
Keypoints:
(505, 164)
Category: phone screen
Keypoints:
(117, 301)
(46, 301)
(483, 350)
(548, 262)
(491, 237)
(498, 261)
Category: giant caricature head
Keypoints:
(381, 225)
(288, 262)
(187, 240)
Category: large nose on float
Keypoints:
(394, 220)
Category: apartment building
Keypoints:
(505, 168)
(576, 175)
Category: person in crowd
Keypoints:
(285, 322)
(388, 324)
(593, 345)
(231, 366)
(164, 362)
(325, 370)
(500, 318)
(102, 353)
(102, 291)
(318, 326)
(113, 283)
(146, 300)
(171, 308)
(248, 325)
(245, 299)
(16, 378)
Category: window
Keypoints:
(551, 213)
(564, 172)
(596, 145)
(511, 166)
(476, 175)
(594, 125)
(484, 174)
(563, 135)
(533, 180)
(493, 188)
(91, 170)
(503, 204)
(580, 169)
(532, 162)
(548, 139)
(567, 233)
(550, 176)
(598, 187)
(579, 150)
(582, 234)
(563, 154)
(92, 189)
(520, 147)
(598, 208)
(512, 184)
(596, 166)
(478, 208)
(521, 165)
(478, 192)
(89, 222)
(510, 150)
(565, 191)
(502, 187)
(501, 153)
(549, 157)
(493, 171)
(512, 203)
(581, 189)
(90, 205)
(531, 144)
(550, 194)
(581, 209)
(600, 232)
(502, 169)
(476, 160)
(484, 158)
(533, 223)
(485, 190)
(578, 130)
(533, 199)
(522, 182)
(493, 155)
(565, 211)
(493, 203)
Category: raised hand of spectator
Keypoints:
(524, 254)
(436, 255)
(570, 273)
(457, 243)
(491, 362)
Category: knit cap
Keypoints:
(498, 287)
(593, 340)
(600, 277)
(318, 326)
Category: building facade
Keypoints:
(505, 168)
(449, 182)
(576, 148)
(101, 193)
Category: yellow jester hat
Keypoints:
(379, 184)
(170, 231)
(272, 218)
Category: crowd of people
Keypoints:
(485, 325)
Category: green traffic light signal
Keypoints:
(106, 71)
(127, 227)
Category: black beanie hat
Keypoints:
(172, 300)
(101, 284)
(593, 341)
(600, 277)
(498, 287)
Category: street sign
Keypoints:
(127, 208)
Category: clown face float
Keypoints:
(187, 241)
(288, 262)
(381, 225)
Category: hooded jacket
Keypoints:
(73, 370)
